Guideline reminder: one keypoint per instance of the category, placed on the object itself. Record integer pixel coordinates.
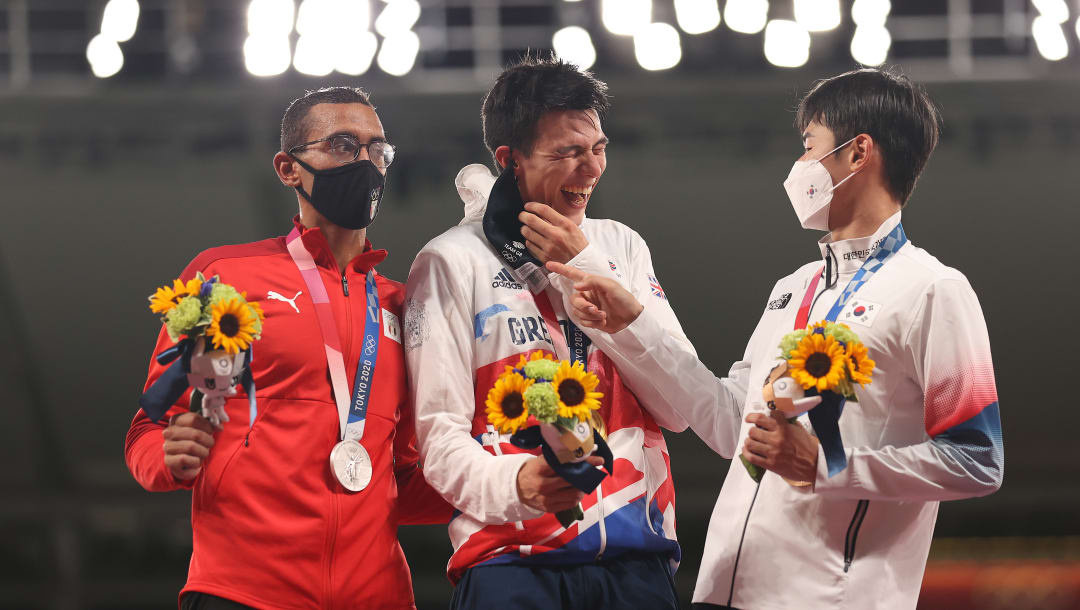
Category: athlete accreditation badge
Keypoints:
(350, 463)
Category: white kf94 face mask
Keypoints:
(810, 188)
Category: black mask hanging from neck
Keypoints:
(348, 195)
(502, 226)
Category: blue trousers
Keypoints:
(633, 582)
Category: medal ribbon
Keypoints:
(351, 417)
(578, 348)
(825, 418)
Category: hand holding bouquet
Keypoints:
(553, 405)
(821, 365)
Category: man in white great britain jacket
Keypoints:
(926, 429)
(470, 313)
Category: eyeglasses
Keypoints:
(346, 149)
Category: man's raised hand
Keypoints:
(598, 302)
(549, 235)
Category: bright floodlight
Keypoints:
(870, 12)
(315, 55)
(657, 47)
(270, 17)
(697, 16)
(120, 20)
(1049, 38)
(317, 17)
(787, 44)
(398, 53)
(574, 45)
(398, 16)
(104, 55)
(356, 53)
(746, 16)
(870, 45)
(267, 55)
(626, 17)
(1054, 10)
(817, 15)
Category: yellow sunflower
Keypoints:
(859, 363)
(537, 355)
(817, 361)
(232, 326)
(505, 402)
(575, 389)
(166, 297)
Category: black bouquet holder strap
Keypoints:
(825, 418)
(581, 475)
(171, 385)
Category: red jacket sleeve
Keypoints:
(418, 502)
(143, 449)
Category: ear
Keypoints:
(503, 157)
(287, 170)
(862, 148)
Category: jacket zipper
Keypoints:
(742, 537)
(334, 509)
(345, 283)
(853, 532)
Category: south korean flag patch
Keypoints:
(859, 311)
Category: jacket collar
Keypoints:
(848, 255)
(316, 244)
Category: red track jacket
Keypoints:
(272, 527)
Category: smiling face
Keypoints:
(567, 161)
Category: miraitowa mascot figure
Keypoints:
(213, 326)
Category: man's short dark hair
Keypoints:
(887, 106)
(294, 126)
(528, 89)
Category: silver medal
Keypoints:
(351, 465)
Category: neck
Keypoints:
(345, 244)
(862, 217)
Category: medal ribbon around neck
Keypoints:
(825, 418)
(351, 417)
(578, 348)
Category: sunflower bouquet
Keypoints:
(213, 325)
(820, 367)
(553, 405)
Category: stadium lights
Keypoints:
(697, 16)
(657, 47)
(870, 44)
(104, 55)
(787, 44)
(357, 53)
(574, 45)
(871, 41)
(118, 24)
(120, 19)
(398, 16)
(626, 17)
(746, 16)
(1047, 29)
(267, 50)
(817, 15)
(1049, 38)
(398, 53)
(314, 55)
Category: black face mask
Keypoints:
(502, 226)
(347, 195)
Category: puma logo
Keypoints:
(292, 302)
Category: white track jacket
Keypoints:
(467, 317)
(927, 429)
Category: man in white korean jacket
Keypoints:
(926, 429)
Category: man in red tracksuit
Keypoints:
(273, 523)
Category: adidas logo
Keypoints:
(503, 279)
